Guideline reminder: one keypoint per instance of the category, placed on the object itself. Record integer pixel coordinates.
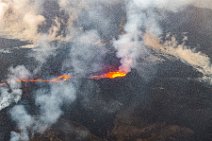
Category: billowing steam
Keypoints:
(141, 18)
(89, 30)
(49, 104)
(23, 120)
(20, 19)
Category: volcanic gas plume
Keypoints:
(81, 38)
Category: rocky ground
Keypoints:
(170, 107)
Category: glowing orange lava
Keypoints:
(60, 78)
(110, 75)
(65, 77)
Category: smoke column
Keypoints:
(85, 27)
(49, 104)
(141, 18)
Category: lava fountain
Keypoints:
(109, 75)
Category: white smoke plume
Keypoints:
(42, 50)
(49, 103)
(12, 92)
(86, 54)
(23, 19)
(203, 3)
(24, 122)
(141, 18)
(85, 29)
(20, 19)
(199, 61)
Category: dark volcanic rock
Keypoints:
(174, 106)
(65, 130)
(154, 132)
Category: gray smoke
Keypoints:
(86, 54)
(24, 122)
(49, 103)
(88, 29)
(141, 19)
(198, 60)
(11, 92)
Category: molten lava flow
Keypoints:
(60, 78)
(109, 75)
(65, 77)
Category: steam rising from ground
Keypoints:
(20, 19)
(11, 92)
(197, 60)
(24, 19)
(49, 103)
(141, 18)
(89, 32)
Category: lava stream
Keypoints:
(65, 77)
(109, 75)
(60, 78)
